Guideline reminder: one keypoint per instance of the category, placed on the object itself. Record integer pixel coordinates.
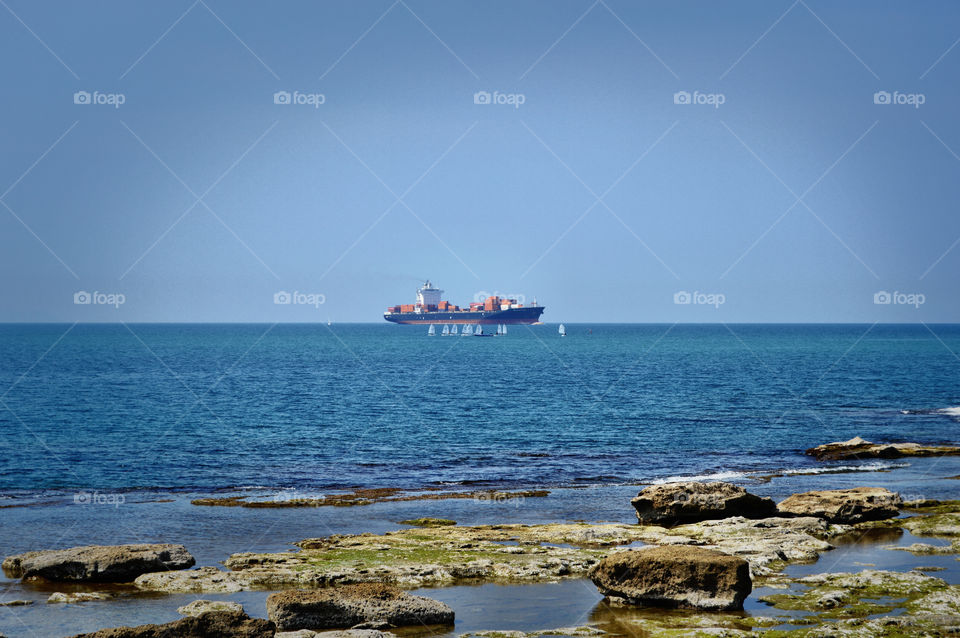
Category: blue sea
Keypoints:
(109, 431)
(313, 407)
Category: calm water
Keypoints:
(308, 407)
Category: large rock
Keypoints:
(351, 605)
(853, 505)
(199, 607)
(858, 448)
(693, 501)
(675, 576)
(99, 563)
(220, 624)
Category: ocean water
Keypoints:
(205, 408)
(109, 431)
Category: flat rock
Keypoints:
(78, 597)
(98, 563)
(351, 605)
(858, 448)
(203, 580)
(693, 501)
(675, 577)
(220, 624)
(16, 603)
(854, 505)
(198, 607)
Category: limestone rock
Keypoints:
(675, 576)
(693, 501)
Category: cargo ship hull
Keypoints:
(511, 316)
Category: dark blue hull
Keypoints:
(513, 316)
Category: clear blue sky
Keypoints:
(495, 197)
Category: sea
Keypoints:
(110, 430)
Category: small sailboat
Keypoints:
(446, 331)
(480, 333)
(453, 330)
(503, 331)
(432, 331)
(467, 331)
(563, 331)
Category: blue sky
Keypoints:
(798, 198)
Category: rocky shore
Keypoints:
(685, 568)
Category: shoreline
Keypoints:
(279, 527)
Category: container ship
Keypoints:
(492, 310)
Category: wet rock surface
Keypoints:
(675, 576)
(352, 605)
(98, 563)
(218, 624)
(858, 448)
(693, 501)
(854, 505)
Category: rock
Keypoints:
(198, 607)
(854, 505)
(858, 448)
(935, 525)
(675, 577)
(220, 624)
(206, 579)
(693, 501)
(351, 605)
(340, 633)
(98, 563)
(78, 597)
(428, 522)
(16, 603)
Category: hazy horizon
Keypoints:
(757, 162)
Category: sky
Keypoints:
(619, 161)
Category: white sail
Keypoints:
(453, 330)
(446, 330)
(467, 330)
(504, 332)
(563, 331)
(432, 331)
(479, 330)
